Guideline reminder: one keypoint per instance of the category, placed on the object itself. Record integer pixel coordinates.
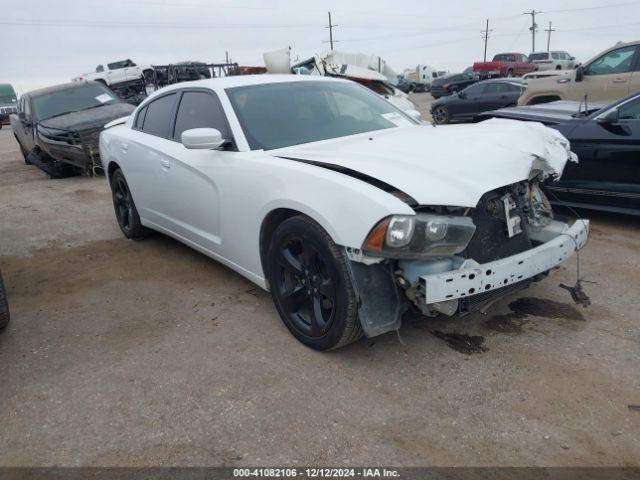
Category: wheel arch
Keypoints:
(278, 214)
(111, 168)
(543, 99)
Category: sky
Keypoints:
(45, 42)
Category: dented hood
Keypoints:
(446, 165)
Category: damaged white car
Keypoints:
(341, 205)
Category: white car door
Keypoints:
(192, 180)
(146, 159)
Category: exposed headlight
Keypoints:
(421, 235)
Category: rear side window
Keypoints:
(200, 110)
(158, 116)
(140, 119)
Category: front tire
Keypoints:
(310, 285)
(440, 115)
(125, 208)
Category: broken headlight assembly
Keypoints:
(419, 236)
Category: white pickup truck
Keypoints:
(118, 72)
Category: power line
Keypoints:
(549, 30)
(534, 28)
(485, 37)
(331, 27)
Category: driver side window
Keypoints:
(475, 89)
(617, 61)
(630, 110)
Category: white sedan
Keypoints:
(344, 207)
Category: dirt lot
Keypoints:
(148, 353)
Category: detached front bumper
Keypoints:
(473, 279)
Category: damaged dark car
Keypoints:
(58, 128)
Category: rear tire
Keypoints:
(310, 285)
(125, 208)
(4, 306)
(440, 116)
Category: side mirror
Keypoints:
(610, 117)
(415, 114)
(572, 58)
(462, 95)
(202, 139)
(579, 73)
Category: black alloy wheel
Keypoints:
(125, 208)
(310, 285)
(440, 115)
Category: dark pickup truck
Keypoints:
(505, 65)
(58, 128)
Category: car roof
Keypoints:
(503, 80)
(57, 88)
(245, 80)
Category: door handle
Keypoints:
(619, 80)
(124, 147)
(165, 164)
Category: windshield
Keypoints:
(279, 115)
(7, 95)
(71, 100)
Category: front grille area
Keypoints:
(491, 241)
(476, 302)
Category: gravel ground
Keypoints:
(148, 353)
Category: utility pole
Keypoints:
(533, 28)
(549, 30)
(226, 53)
(330, 27)
(485, 37)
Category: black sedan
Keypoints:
(479, 97)
(443, 86)
(607, 142)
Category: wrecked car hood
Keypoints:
(446, 165)
(88, 119)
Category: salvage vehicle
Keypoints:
(58, 127)
(505, 65)
(8, 103)
(450, 84)
(4, 305)
(342, 206)
(552, 60)
(479, 97)
(118, 72)
(373, 80)
(608, 77)
(181, 72)
(606, 139)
